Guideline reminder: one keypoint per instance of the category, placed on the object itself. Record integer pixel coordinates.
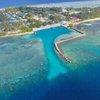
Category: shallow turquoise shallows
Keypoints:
(48, 37)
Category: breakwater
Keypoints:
(62, 53)
(59, 50)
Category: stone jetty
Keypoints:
(57, 43)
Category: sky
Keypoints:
(7, 3)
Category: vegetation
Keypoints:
(3, 18)
(88, 13)
(71, 25)
(2, 33)
(26, 29)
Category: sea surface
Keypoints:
(31, 69)
(50, 3)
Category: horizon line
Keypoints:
(48, 4)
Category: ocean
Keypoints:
(58, 3)
(33, 71)
(29, 62)
(30, 69)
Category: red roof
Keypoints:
(74, 19)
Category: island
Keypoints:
(47, 49)
(26, 20)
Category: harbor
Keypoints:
(57, 43)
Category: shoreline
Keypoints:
(87, 20)
(14, 35)
(33, 32)
(46, 27)
(66, 57)
(56, 44)
(55, 4)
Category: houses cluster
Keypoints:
(20, 16)
(37, 18)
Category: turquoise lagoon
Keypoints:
(32, 70)
(49, 36)
(21, 62)
(30, 59)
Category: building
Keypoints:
(74, 19)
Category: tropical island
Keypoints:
(50, 46)
(25, 20)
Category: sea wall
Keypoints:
(60, 51)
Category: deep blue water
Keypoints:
(9, 3)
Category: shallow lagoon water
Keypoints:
(85, 49)
(21, 62)
(48, 37)
(77, 81)
(30, 59)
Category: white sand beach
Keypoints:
(88, 20)
(33, 32)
